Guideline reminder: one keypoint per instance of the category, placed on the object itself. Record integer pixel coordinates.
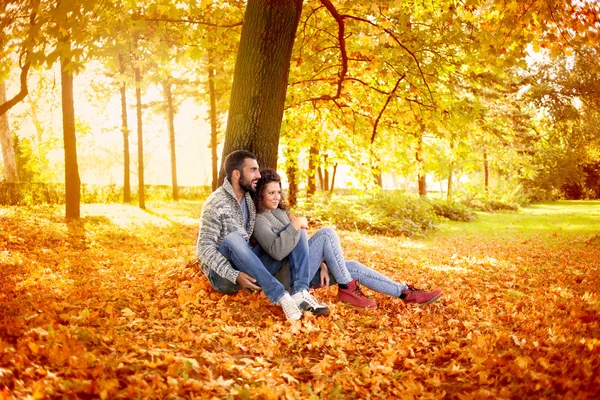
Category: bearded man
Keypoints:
(223, 249)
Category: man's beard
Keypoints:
(246, 184)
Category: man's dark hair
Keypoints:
(235, 161)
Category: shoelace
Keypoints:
(358, 292)
(288, 308)
(412, 289)
(312, 301)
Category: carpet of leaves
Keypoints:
(112, 307)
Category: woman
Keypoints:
(277, 232)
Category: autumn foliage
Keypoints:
(111, 306)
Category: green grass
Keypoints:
(545, 220)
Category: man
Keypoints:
(223, 250)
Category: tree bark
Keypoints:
(140, 138)
(72, 182)
(125, 130)
(171, 122)
(292, 176)
(213, 125)
(486, 170)
(320, 177)
(422, 177)
(260, 79)
(333, 177)
(450, 174)
(8, 152)
(312, 169)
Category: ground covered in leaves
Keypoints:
(112, 307)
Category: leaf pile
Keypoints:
(111, 307)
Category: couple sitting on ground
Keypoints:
(284, 256)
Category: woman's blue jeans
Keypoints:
(325, 246)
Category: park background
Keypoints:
(433, 135)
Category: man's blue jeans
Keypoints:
(298, 259)
(248, 260)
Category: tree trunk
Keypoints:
(333, 178)
(422, 177)
(450, 185)
(292, 172)
(320, 177)
(125, 130)
(72, 182)
(325, 174)
(260, 79)
(171, 122)
(376, 172)
(213, 125)
(8, 152)
(486, 170)
(312, 169)
(140, 138)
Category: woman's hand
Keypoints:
(300, 223)
(324, 275)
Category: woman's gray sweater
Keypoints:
(275, 234)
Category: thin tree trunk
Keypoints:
(171, 122)
(422, 177)
(125, 130)
(320, 177)
(8, 152)
(140, 138)
(213, 125)
(450, 173)
(260, 79)
(333, 178)
(376, 171)
(325, 174)
(312, 169)
(72, 182)
(292, 172)
(486, 170)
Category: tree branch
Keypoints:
(385, 106)
(414, 57)
(187, 21)
(22, 93)
(342, 41)
(23, 78)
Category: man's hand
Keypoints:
(247, 282)
(324, 275)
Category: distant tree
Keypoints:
(8, 153)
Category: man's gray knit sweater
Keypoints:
(222, 215)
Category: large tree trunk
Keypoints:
(260, 79)
(213, 125)
(8, 151)
(125, 130)
(333, 177)
(140, 138)
(72, 182)
(171, 121)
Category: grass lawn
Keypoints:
(545, 220)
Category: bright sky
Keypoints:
(100, 145)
